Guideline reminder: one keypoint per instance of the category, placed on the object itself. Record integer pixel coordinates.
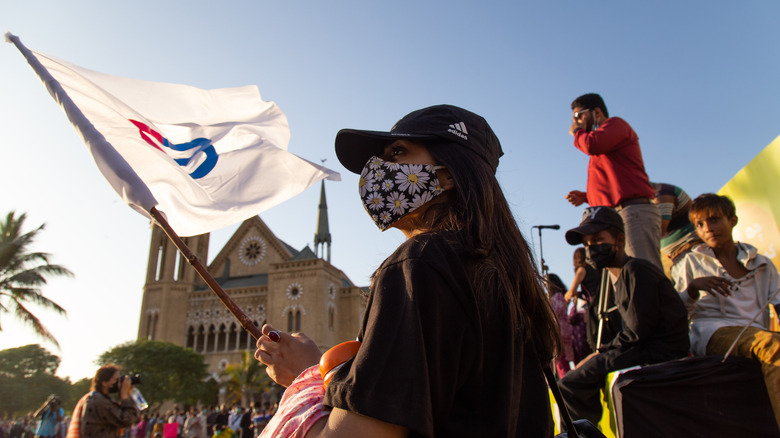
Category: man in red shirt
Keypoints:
(616, 175)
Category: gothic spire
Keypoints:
(322, 235)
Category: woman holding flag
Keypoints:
(457, 321)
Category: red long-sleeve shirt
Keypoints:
(616, 171)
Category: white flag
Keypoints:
(206, 158)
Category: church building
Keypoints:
(295, 290)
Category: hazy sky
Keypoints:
(696, 80)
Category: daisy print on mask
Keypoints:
(365, 183)
(390, 190)
(374, 201)
(412, 178)
(387, 185)
(397, 203)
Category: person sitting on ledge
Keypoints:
(726, 287)
(655, 325)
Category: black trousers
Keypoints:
(581, 386)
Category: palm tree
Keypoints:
(22, 274)
(244, 379)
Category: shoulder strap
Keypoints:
(548, 374)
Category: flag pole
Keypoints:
(246, 323)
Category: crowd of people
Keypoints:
(459, 324)
(669, 278)
(206, 422)
(48, 421)
(108, 410)
(673, 280)
(209, 421)
(27, 427)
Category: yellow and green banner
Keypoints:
(755, 191)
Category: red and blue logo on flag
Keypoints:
(195, 146)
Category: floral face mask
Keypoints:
(390, 191)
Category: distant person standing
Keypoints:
(234, 420)
(556, 288)
(616, 175)
(194, 425)
(49, 414)
(140, 428)
(584, 332)
(221, 419)
(96, 415)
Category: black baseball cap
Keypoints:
(462, 127)
(595, 219)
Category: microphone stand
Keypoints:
(541, 255)
(545, 269)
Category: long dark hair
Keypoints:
(477, 211)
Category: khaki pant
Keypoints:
(757, 344)
(642, 223)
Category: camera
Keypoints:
(53, 401)
(135, 379)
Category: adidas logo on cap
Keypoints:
(460, 130)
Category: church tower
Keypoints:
(169, 281)
(269, 280)
(322, 235)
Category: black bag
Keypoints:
(579, 428)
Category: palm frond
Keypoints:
(30, 295)
(28, 278)
(23, 271)
(48, 269)
(37, 275)
(34, 257)
(8, 251)
(23, 314)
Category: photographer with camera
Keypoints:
(97, 415)
(49, 414)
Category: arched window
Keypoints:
(297, 320)
(221, 335)
(210, 338)
(155, 318)
(149, 321)
(243, 338)
(232, 337)
(191, 337)
(160, 263)
(200, 341)
(289, 321)
(180, 266)
(331, 318)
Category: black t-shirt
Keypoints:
(652, 312)
(433, 362)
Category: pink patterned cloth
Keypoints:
(566, 354)
(300, 408)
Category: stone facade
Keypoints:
(269, 280)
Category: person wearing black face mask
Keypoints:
(655, 322)
(96, 415)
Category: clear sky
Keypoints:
(696, 80)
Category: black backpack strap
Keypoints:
(548, 374)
